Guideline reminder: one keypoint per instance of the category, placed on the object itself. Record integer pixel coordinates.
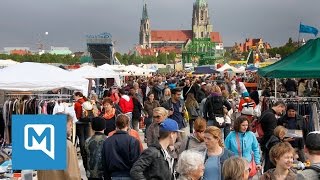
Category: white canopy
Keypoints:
(39, 77)
(93, 72)
(8, 62)
(225, 67)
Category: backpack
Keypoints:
(257, 128)
(215, 105)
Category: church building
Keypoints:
(164, 41)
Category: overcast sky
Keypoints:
(24, 22)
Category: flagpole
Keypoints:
(299, 35)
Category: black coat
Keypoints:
(119, 152)
(151, 165)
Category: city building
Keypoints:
(152, 41)
(17, 50)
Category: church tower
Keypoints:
(201, 26)
(145, 31)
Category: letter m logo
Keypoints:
(39, 137)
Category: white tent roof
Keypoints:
(8, 62)
(39, 77)
(93, 72)
(225, 67)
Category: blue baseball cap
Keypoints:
(169, 125)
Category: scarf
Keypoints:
(109, 115)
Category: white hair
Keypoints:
(189, 161)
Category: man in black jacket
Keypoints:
(292, 120)
(155, 162)
(120, 151)
(269, 122)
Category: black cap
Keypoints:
(291, 106)
(313, 141)
(98, 124)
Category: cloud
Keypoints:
(23, 23)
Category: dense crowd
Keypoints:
(198, 127)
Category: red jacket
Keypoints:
(78, 107)
(126, 104)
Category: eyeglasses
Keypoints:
(156, 117)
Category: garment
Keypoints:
(177, 111)
(149, 106)
(132, 133)
(152, 165)
(126, 104)
(248, 145)
(292, 175)
(78, 108)
(119, 153)
(72, 171)
(296, 123)
(152, 134)
(270, 143)
(213, 165)
(93, 150)
(268, 122)
(309, 174)
(110, 123)
(192, 142)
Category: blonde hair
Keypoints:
(161, 110)
(216, 133)
(279, 150)
(233, 168)
(278, 130)
(215, 89)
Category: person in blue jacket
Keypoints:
(243, 143)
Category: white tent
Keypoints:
(226, 67)
(93, 73)
(8, 62)
(39, 77)
(137, 71)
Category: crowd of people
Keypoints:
(194, 127)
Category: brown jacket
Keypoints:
(72, 172)
(270, 176)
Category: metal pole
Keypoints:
(275, 88)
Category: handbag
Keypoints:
(252, 164)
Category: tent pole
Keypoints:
(275, 88)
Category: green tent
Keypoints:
(303, 63)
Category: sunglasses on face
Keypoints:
(156, 117)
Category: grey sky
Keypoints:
(24, 22)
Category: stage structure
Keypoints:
(101, 49)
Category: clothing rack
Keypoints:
(41, 96)
(303, 105)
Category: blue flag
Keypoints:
(308, 29)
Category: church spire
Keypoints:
(145, 11)
(201, 3)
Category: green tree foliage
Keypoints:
(162, 58)
(285, 50)
(44, 58)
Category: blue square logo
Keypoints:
(39, 142)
